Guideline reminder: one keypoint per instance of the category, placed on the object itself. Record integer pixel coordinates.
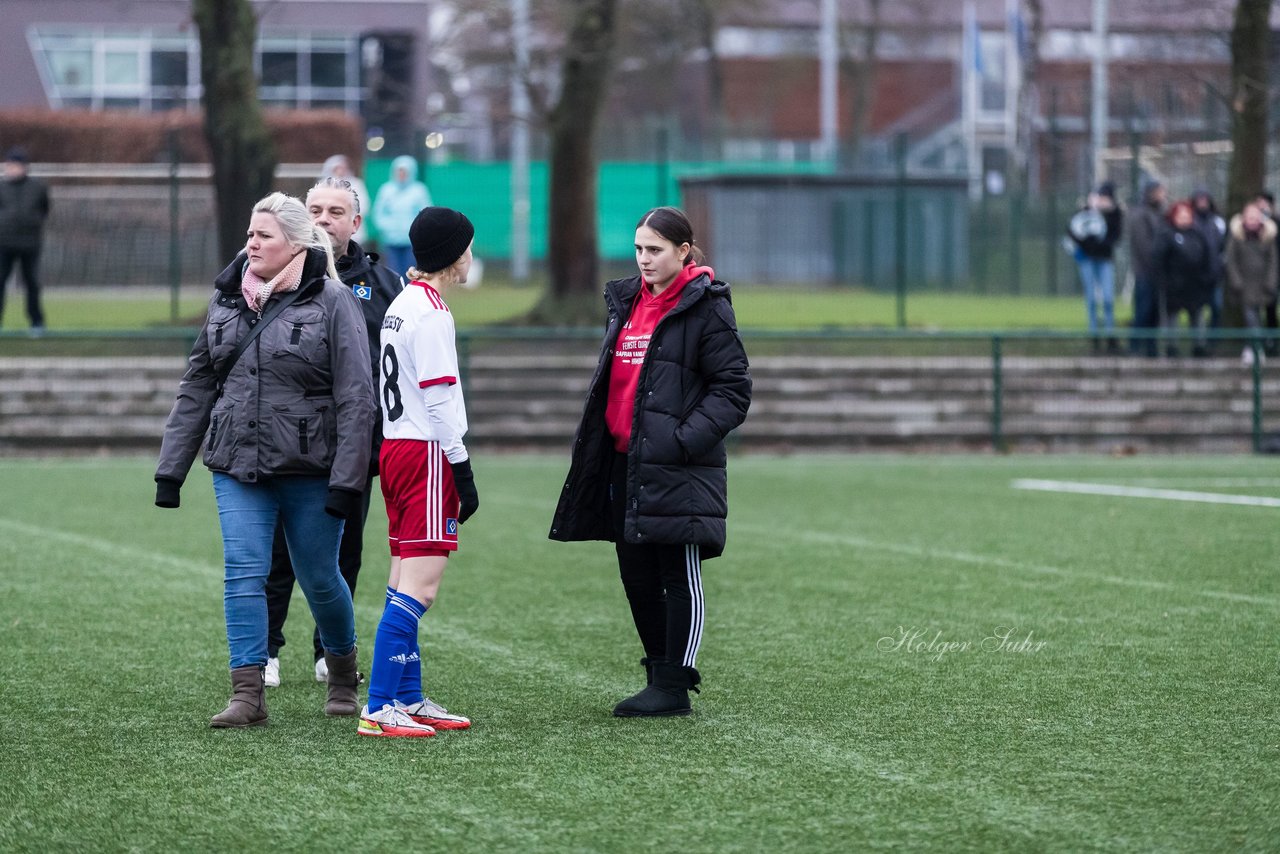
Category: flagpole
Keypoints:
(969, 80)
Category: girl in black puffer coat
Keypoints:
(1184, 262)
(648, 468)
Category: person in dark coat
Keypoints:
(1214, 229)
(648, 466)
(1146, 225)
(24, 207)
(334, 205)
(1185, 264)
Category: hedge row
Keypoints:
(81, 136)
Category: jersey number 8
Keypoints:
(391, 402)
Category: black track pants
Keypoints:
(663, 584)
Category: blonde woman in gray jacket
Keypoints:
(278, 393)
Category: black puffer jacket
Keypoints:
(695, 387)
(375, 286)
(1186, 270)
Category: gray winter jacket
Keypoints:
(1146, 225)
(1251, 263)
(299, 401)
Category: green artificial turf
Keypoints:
(854, 694)
(757, 307)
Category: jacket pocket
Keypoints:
(303, 435)
(300, 335)
(224, 335)
(220, 441)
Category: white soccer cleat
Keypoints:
(271, 673)
(392, 722)
(434, 715)
(322, 671)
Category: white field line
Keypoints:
(1003, 563)
(1210, 482)
(107, 548)
(1119, 491)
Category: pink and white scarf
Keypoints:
(257, 292)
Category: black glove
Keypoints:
(465, 482)
(342, 503)
(167, 492)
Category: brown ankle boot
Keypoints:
(343, 678)
(248, 706)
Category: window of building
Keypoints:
(99, 68)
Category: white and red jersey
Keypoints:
(419, 386)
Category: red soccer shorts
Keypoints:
(422, 501)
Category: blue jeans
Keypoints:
(248, 513)
(398, 258)
(1146, 315)
(1098, 275)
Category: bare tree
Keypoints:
(1247, 171)
(243, 153)
(573, 261)
(1250, 40)
(859, 65)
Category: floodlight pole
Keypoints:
(1099, 94)
(828, 56)
(520, 142)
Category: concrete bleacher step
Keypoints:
(531, 396)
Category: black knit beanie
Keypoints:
(439, 237)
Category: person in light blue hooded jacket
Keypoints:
(397, 203)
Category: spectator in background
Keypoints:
(1251, 268)
(1214, 228)
(397, 203)
(24, 207)
(1267, 204)
(1096, 229)
(1185, 266)
(338, 166)
(1146, 225)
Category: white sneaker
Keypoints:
(433, 714)
(322, 670)
(1246, 357)
(271, 673)
(391, 722)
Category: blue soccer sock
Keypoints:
(396, 640)
(410, 690)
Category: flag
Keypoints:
(972, 39)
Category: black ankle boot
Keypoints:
(666, 696)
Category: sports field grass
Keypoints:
(756, 307)
(855, 695)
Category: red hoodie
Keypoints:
(629, 353)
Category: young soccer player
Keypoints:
(426, 472)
